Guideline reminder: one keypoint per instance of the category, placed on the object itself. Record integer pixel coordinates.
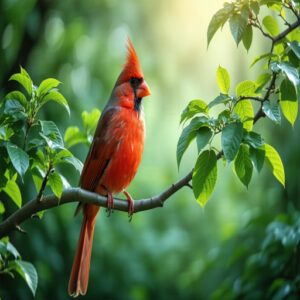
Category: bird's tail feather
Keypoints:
(79, 278)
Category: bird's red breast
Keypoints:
(125, 137)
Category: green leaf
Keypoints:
(19, 96)
(288, 101)
(24, 72)
(274, 161)
(218, 20)
(15, 110)
(56, 97)
(271, 25)
(292, 58)
(203, 136)
(65, 156)
(24, 80)
(295, 46)
(74, 136)
(27, 272)
(224, 117)
(52, 134)
(260, 57)
(66, 184)
(237, 26)
(253, 139)
(246, 88)
(272, 111)
(90, 120)
(46, 85)
(279, 48)
(223, 80)
(247, 37)
(244, 110)
(262, 80)
(243, 165)
(75, 162)
(187, 135)
(275, 66)
(37, 177)
(2, 208)
(204, 176)
(294, 35)
(56, 184)
(257, 157)
(231, 138)
(276, 5)
(290, 72)
(40, 214)
(13, 191)
(194, 107)
(18, 157)
(221, 99)
(12, 250)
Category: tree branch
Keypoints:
(79, 195)
(284, 33)
(260, 113)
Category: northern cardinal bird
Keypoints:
(113, 159)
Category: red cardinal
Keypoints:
(113, 159)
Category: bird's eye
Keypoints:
(135, 82)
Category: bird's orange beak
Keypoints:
(143, 90)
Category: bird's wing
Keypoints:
(101, 151)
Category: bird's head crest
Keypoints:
(132, 66)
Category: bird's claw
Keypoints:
(130, 205)
(110, 204)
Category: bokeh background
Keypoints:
(181, 251)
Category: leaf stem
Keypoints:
(290, 6)
(29, 124)
(255, 22)
(44, 183)
(284, 20)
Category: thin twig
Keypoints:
(20, 229)
(255, 22)
(284, 33)
(294, 11)
(259, 99)
(270, 87)
(284, 20)
(44, 183)
(189, 185)
(260, 113)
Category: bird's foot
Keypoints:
(110, 204)
(130, 205)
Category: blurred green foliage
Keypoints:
(243, 245)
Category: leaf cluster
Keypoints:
(33, 147)
(259, 262)
(276, 91)
(11, 263)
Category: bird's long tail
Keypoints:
(79, 278)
